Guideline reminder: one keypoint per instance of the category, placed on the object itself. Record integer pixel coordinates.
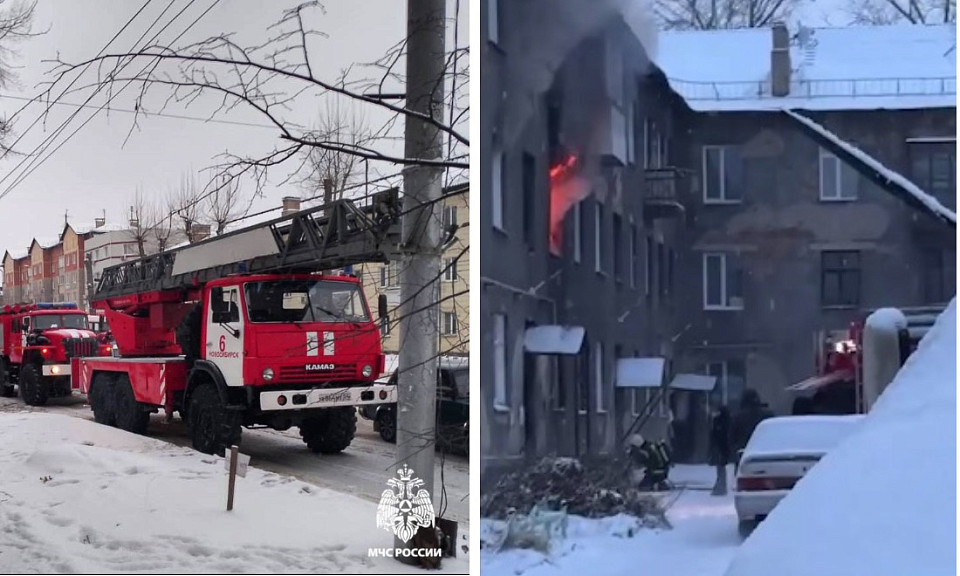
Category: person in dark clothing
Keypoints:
(654, 459)
(720, 447)
(752, 412)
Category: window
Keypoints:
(449, 218)
(496, 188)
(288, 301)
(661, 269)
(577, 232)
(840, 278)
(449, 270)
(390, 275)
(631, 135)
(935, 172)
(722, 175)
(935, 289)
(558, 395)
(838, 181)
(598, 237)
(722, 288)
(493, 21)
(731, 381)
(633, 255)
(598, 377)
(499, 360)
(529, 170)
(652, 142)
(129, 249)
(617, 246)
(648, 265)
(450, 327)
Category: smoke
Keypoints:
(551, 30)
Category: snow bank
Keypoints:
(701, 543)
(884, 501)
(79, 497)
(929, 201)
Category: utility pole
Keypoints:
(420, 245)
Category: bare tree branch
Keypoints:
(722, 14)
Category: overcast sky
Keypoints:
(94, 171)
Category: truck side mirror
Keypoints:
(382, 305)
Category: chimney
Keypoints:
(780, 61)
(134, 222)
(291, 204)
(99, 222)
(199, 233)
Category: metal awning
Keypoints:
(553, 339)
(816, 382)
(693, 382)
(640, 372)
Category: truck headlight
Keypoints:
(367, 371)
(267, 374)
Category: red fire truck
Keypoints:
(37, 342)
(240, 331)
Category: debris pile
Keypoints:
(594, 490)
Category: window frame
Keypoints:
(599, 372)
(724, 288)
(840, 165)
(501, 400)
(497, 211)
(723, 199)
(857, 272)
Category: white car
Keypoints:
(778, 454)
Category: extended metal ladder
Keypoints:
(325, 237)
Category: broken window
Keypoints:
(577, 232)
(496, 187)
(599, 377)
(722, 289)
(838, 180)
(840, 278)
(500, 360)
(598, 237)
(617, 246)
(722, 174)
(529, 194)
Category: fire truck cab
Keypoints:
(37, 342)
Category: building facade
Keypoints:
(454, 278)
(588, 257)
(717, 235)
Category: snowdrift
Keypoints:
(77, 497)
(884, 501)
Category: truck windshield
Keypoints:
(305, 301)
(50, 321)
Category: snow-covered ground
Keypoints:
(702, 542)
(884, 501)
(361, 470)
(79, 497)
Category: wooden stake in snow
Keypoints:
(236, 464)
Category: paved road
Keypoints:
(361, 470)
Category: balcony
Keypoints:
(660, 198)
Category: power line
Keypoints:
(148, 114)
(33, 156)
(113, 95)
(102, 50)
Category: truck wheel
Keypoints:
(331, 432)
(188, 334)
(7, 390)
(213, 428)
(33, 389)
(387, 425)
(102, 398)
(130, 415)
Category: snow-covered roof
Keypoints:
(640, 372)
(927, 200)
(884, 501)
(852, 68)
(553, 339)
(46, 242)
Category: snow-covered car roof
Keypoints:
(814, 434)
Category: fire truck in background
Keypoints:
(837, 388)
(37, 342)
(240, 330)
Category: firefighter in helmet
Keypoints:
(654, 459)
